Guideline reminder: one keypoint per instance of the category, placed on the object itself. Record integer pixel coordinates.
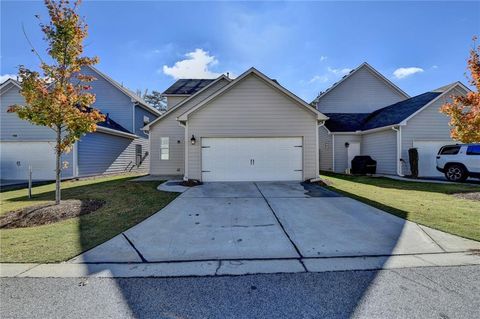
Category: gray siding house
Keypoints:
(247, 129)
(118, 145)
(369, 115)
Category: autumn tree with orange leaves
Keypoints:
(59, 98)
(464, 111)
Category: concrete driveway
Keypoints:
(270, 220)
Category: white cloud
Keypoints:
(319, 78)
(323, 58)
(339, 71)
(402, 73)
(196, 66)
(435, 67)
(5, 77)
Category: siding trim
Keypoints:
(333, 152)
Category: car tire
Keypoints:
(456, 173)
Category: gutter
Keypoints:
(115, 132)
(399, 149)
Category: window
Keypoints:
(138, 154)
(164, 148)
(473, 150)
(449, 150)
(146, 120)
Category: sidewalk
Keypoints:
(237, 267)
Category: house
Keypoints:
(247, 129)
(369, 115)
(118, 145)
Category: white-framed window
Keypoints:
(164, 148)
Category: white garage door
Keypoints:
(252, 159)
(17, 156)
(427, 153)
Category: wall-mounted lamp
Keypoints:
(347, 144)
(193, 140)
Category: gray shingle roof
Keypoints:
(389, 115)
(345, 122)
(111, 124)
(188, 86)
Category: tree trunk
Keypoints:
(58, 168)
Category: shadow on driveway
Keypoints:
(218, 221)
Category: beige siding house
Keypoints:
(383, 123)
(250, 128)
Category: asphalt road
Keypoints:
(448, 292)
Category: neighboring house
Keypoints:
(118, 145)
(369, 115)
(247, 129)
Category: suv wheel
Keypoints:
(456, 173)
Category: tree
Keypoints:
(54, 100)
(464, 111)
(156, 99)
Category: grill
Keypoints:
(363, 165)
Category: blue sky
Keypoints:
(306, 46)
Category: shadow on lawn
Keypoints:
(333, 226)
(385, 182)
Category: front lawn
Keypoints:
(429, 204)
(126, 204)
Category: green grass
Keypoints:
(429, 204)
(127, 203)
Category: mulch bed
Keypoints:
(48, 213)
(191, 183)
(471, 196)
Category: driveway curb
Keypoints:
(236, 267)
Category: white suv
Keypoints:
(460, 161)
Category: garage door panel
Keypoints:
(17, 156)
(427, 153)
(252, 159)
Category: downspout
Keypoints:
(75, 159)
(333, 153)
(399, 149)
(133, 118)
(185, 157)
(318, 148)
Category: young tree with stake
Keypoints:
(60, 99)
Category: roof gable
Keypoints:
(187, 100)
(367, 66)
(363, 90)
(8, 84)
(398, 112)
(135, 98)
(394, 114)
(270, 82)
